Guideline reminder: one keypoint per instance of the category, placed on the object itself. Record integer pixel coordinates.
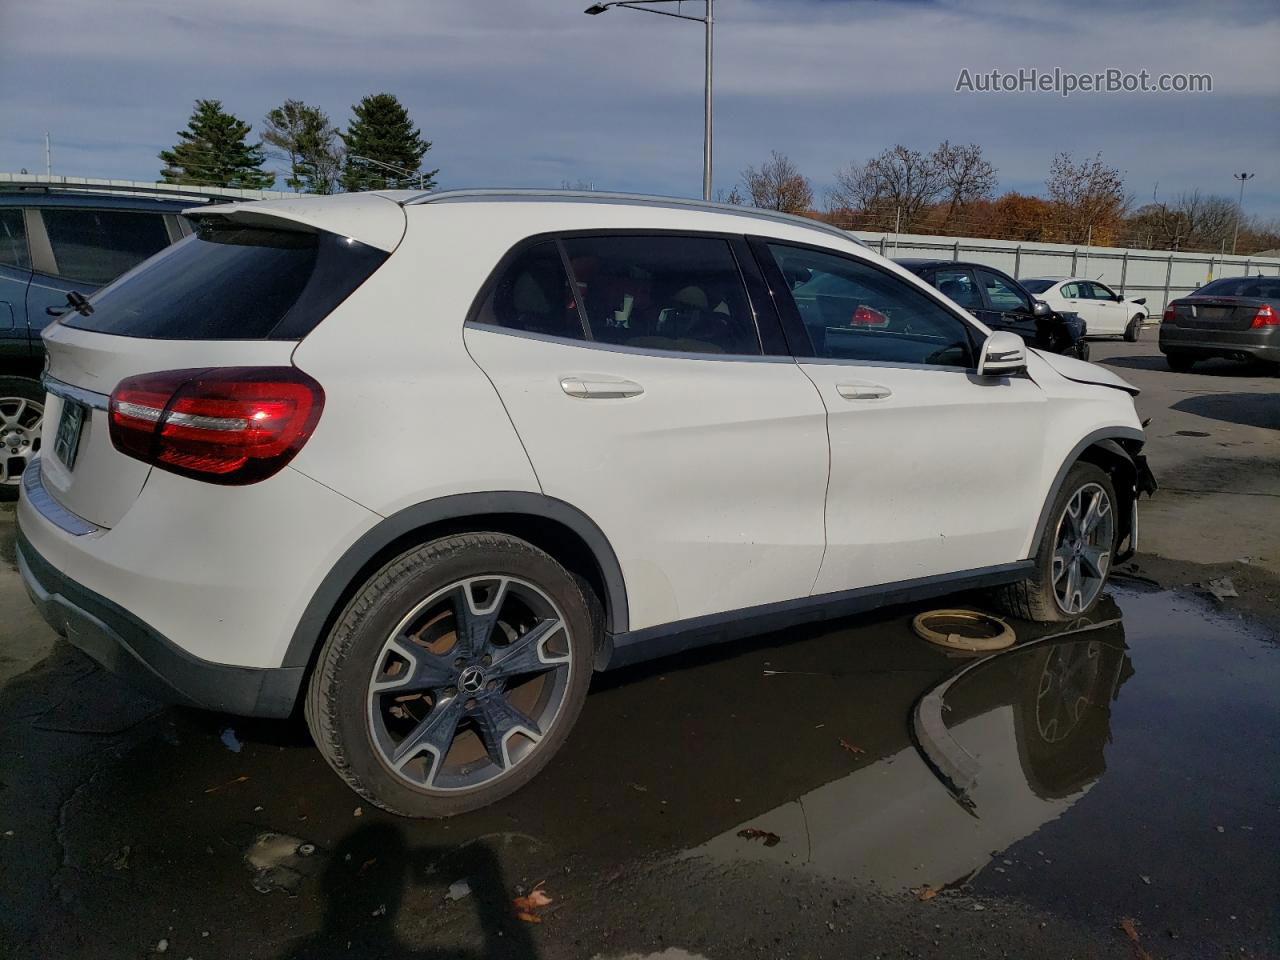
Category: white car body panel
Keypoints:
(960, 494)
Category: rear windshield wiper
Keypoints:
(79, 303)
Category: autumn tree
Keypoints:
(309, 142)
(382, 131)
(213, 151)
(778, 185)
(1017, 216)
(1088, 198)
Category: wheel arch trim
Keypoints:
(1109, 439)
(323, 605)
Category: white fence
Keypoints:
(1158, 275)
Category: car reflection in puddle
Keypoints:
(1009, 742)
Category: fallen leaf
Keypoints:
(770, 838)
(851, 747)
(1130, 928)
(924, 893)
(229, 783)
(366, 865)
(534, 900)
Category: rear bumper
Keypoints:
(1261, 344)
(125, 645)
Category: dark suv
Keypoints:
(1002, 303)
(54, 243)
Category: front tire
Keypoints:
(1074, 559)
(453, 675)
(21, 419)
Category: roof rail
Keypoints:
(21, 182)
(594, 196)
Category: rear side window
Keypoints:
(228, 282)
(13, 240)
(533, 294)
(96, 246)
(663, 293)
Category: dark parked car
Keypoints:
(1237, 317)
(1002, 303)
(54, 243)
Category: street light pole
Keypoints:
(1242, 177)
(401, 171)
(708, 21)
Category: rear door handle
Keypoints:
(863, 391)
(600, 389)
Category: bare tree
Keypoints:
(1088, 197)
(899, 184)
(967, 176)
(1192, 222)
(778, 185)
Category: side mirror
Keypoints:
(1141, 301)
(1003, 355)
(1039, 308)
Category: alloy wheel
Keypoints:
(1082, 548)
(20, 423)
(469, 683)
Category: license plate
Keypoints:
(66, 444)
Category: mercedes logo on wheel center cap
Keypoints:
(471, 679)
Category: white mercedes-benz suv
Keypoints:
(418, 464)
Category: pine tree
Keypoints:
(382, 131)
(212, 151)
(311, 143)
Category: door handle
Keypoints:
(863, 391)
(601, 389)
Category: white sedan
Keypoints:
(1105, 312)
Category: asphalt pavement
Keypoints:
(1107, 787)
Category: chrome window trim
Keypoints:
(42, 502)
(623, 348)
(889, 364)
(65, 391)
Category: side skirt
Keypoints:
(637, 646)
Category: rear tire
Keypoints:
(1069, 541)
(1134, 331)
(1180, 362)
(432, 672)
(21, 418)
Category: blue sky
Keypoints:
(531, 92)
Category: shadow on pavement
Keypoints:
(1247, 409)
(1216, 367)
(364, 884)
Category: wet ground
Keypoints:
(837, 791)
(785, 797)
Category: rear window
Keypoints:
(228, 282)
(1241, 287)
(96, 246)
(1037, 286)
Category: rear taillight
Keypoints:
(231, 425)
(1168, 315)
(1266, 317)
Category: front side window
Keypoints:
(855, 311)
(13, 240)
(533, 294)
(1002, 295)
(96, 246)
(1098, 292)
(959, 285)
(663, 293)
